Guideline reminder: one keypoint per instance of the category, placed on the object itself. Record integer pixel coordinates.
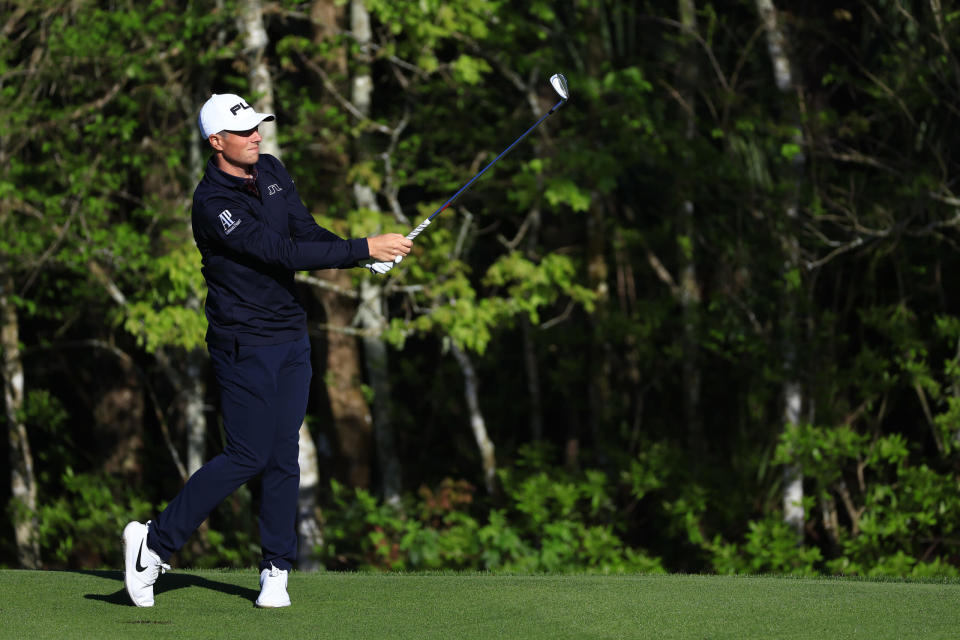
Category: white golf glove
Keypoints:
(382, 267)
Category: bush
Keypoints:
(544, 521)
(81, 528)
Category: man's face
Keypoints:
(239, 148)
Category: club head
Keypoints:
(559, 82)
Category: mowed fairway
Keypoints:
(219, 604)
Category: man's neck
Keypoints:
(238, 170)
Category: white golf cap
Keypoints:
(228, 112)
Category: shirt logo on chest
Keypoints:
(229, 224)
(272, 189)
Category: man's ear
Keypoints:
(215, 141)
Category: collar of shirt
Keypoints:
(250, 184)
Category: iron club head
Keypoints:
(559, 83)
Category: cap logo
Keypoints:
(238, 107)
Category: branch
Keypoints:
(462, 236)
(703, 43)
(350, 331)
(61, 234)
(929, 416)
(346, 104)
(97, 104)
(852, 511)
(320, 283)
(390, 189)
(850, 246)
(558, 319)
(663, 273)
(521, 232)
(856, 157)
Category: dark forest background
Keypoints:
(703, 319)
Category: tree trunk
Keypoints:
(534, 220)
(351, 415)
(261, 84)
(689, 286)
(370, 314)
(598, 359)
(375, 352)
(350, 411)
(23, 483)
(194, 401)
(793, 511)
(477, 423)
(531, 365)
(255, 42)
(195, 389)
(309, 532)
(119, 411)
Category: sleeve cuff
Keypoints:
(359, 248)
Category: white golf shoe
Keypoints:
(142, 566)
(273, 588)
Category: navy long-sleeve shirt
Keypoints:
(252, 238)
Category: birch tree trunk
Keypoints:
(370, 314)
(195, 391)
(309, 532)
(477, 424)
(23, 483)
(194, 416)
(261, 84)
(255, 42)
(793, 511)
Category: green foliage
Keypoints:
(770, 546)
(46, 416)
(170, 312)
(680, 199)
(469, 70)
(425, 24)
(549, 521)
(516, 286)
(80, 526)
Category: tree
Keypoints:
(793, 394)
(23, 483)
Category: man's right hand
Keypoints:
(388, 247)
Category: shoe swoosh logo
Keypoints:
(140, 567)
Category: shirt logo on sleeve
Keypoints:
(229, 224)
(272, 189)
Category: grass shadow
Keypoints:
(166, 582)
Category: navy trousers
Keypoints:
(263, 392)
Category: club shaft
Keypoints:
(492, 162)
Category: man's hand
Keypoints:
(388, 247)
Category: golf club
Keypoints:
(559, 84)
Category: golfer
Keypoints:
(253, 233)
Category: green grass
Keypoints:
(219, 604)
